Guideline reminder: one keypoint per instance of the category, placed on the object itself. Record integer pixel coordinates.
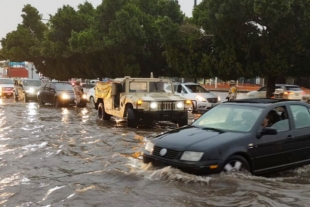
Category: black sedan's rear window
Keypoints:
(63, 86)
(293, 88)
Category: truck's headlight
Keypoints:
(65, 96)
(153, 105)
(180, 105)
(30, 90)
(191, 156)
(84, 96)
(149, 147)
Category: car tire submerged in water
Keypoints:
(102, 115)
(131, 118)
(183, 122)
(57, 103)
(41, 102)
(25, 98)
(236, 163)
(92, 102)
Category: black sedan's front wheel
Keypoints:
(41, 102)
(26, 99)
(57, 103)
(236, 163)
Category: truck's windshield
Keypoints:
(137, 87)
(160, 86)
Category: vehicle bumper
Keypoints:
(197, 168)
(6, 93)
(173, 116)
(31, 95)
(67, 102)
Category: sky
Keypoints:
(11, 10)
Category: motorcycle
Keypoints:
(82, 102)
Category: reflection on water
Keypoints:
(67, 157)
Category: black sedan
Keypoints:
(256, 135)
(59, 94)
(27, 90)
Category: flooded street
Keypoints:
(66, 157)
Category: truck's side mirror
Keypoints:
(179, 89)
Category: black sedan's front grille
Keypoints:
(212, 100)
(170, 154)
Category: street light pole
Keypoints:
(195, 2)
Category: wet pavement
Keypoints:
(66, 157)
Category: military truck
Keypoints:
(140, 100)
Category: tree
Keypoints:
(264, 38)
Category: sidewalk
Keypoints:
(241, 88)
(223, 87)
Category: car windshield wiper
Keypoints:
(214, 129)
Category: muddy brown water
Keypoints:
(66, 157)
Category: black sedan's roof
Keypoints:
(260, 102)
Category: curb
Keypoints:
(226, 91)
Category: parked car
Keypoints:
(231, 136)
(59, 94)
(91, 96)
(27, 90)
(292, 92)
(202, 99)
(6, 87)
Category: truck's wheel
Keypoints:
(183, 121)
(131, 118)
(102, 115)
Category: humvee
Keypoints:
(140, 100)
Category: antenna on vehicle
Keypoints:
(151, 74)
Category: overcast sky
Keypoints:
(11, 10)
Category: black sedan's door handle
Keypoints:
(290, 137)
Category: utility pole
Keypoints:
(195, 2)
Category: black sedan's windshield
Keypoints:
(63, 87)
(230, 117)
(31, 83)
(6, 81)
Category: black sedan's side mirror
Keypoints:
(179, 89)
(267, 131)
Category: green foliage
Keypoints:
(279, 46)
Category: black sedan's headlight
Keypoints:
(65, 96)
(149, 147)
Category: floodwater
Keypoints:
(66, 157)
